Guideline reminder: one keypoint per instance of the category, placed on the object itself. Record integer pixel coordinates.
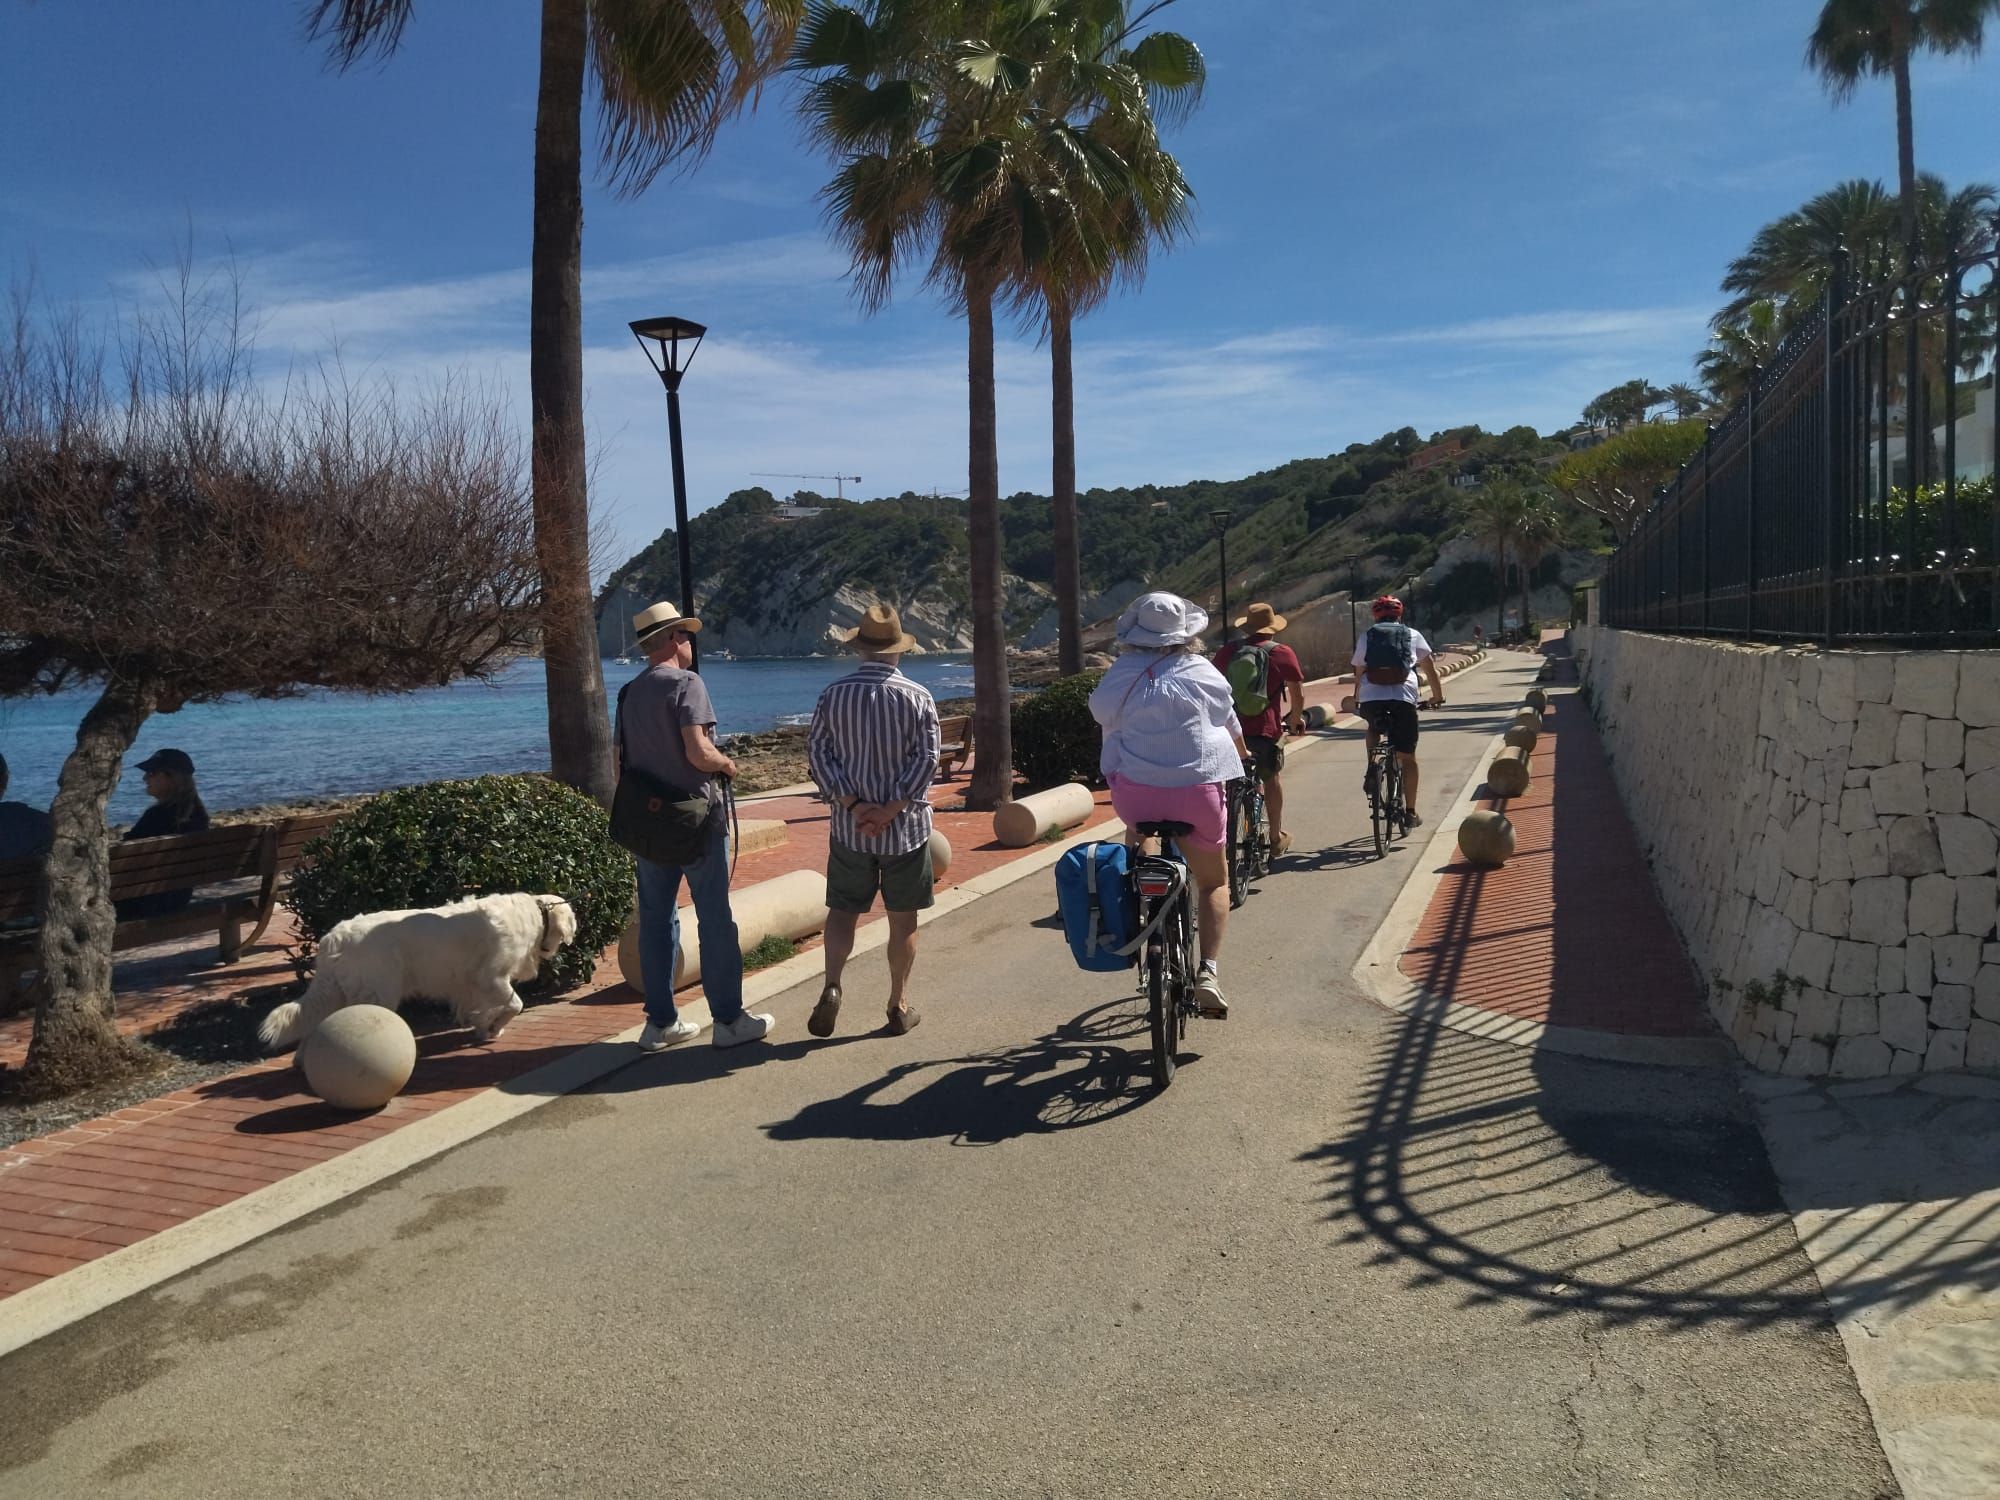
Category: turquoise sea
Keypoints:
(251, 753)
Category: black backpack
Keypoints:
(1389, 656)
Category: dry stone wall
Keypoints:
(1825, 830)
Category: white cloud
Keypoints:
(886, 400)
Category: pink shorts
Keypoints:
(1200, 806)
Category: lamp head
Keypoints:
(667, 336)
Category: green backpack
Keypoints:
(1249, 674)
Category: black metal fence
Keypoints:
(1850, 495)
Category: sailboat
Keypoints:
(624, 656)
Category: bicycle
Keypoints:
(1167, 928)
(1249, 834)
(1387, 813)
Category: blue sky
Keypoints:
(1432, 213)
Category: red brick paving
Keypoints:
(68, 1198)
(1570, 932)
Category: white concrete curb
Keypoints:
(1378, 974)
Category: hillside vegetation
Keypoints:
(1384, 507)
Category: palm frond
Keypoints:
(670, 72)
(353, 29)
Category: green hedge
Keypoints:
(1055, 738)
(428, 845)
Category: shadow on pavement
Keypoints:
(1090, 1069)
(1573, 1186)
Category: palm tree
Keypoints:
(1099, 105)
(1793, 259)
(1496, 512)
(669, 73)
(928, 110)
(1856, 38)
(1686, 401)
(1537, 530)
(1738, 349)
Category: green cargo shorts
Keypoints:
(853, 878)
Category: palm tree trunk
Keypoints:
(75, 1041)
(1069, 603)
(1906, 145)
(1500, 610)
(579, 723)
(993, 753)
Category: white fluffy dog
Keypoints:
(467, 954)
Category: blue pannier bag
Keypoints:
(1100, 910)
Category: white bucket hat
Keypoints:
(1161, 619)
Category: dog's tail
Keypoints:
(287, 1026)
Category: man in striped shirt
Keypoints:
(873, 750)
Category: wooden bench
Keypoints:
(954, 744)
(230, 856)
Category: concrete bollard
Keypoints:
(792, 905)
(359, 1057)
(1520, 736)
(1028, 821)
(1508, 775)
(1486, 838)
(1538, 700)
(1318, 715)
(940, 853)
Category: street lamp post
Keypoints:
(1221, 519)
(667, 335)
(1354, 599)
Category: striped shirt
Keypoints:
(875, 736)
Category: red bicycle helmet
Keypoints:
(1388, 607)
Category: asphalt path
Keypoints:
(1346, 1254)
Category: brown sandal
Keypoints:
(904, 1021)
(820, 1022)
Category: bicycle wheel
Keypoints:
(1241, 851)
(1378, 810)
(1260, 835)
(1163, 1005)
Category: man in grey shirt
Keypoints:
(666, 728)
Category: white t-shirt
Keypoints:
(1377, 692)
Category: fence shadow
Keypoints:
(1620, 1193)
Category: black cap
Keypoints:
(168, 760)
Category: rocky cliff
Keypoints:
(778, 580)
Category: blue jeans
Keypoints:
(660, 933)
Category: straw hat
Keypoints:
(1161, 619)
(658, 617)
(880, 631)
(1261, 619)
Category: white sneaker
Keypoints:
(659, 1038)
(1208, 996)
(745, 1028)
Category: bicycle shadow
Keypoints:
(1354, 851)
(1092, 1068)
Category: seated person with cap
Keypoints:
(24, 830)
(177, 808)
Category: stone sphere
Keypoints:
(1486, 838)
(1538, 700)
(628, 955)
(1520, 737)
(1508, 775)
(940, 852)
(359, 1057)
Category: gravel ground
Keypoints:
(205, 1043)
